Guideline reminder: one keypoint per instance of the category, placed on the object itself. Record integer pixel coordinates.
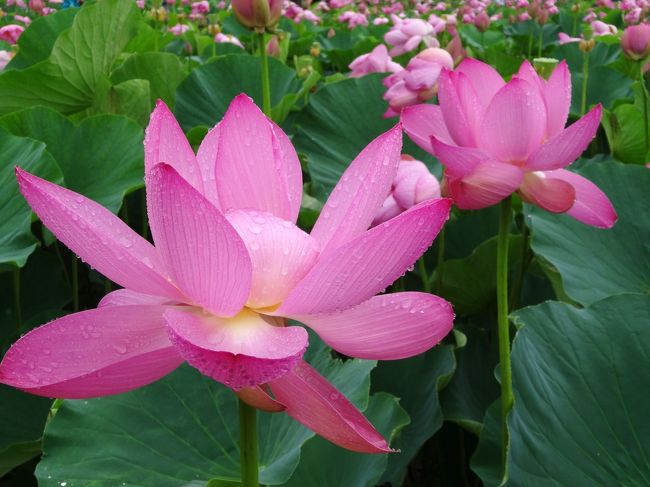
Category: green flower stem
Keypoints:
(441, 260)
(266, 83)
(248, 445)
(585, 76)
(18, 310)
(75, 283)
(645, 95)
(540, 41)
(503, 324)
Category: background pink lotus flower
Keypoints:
(413, 184)
(353, 19)
(228, 38)
(376, 61)
(635, 41)
(179, 29)
(11, 33)
(406, 35)
(567, 39)
(418, 82)
(495, 138)
(229, 267)
(5, 57)
(257, 13)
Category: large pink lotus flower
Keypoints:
(376, 61)
(229, 267)
(495, 138)
(11, 33)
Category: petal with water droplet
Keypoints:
(311, 400)
(97, 353)
(386, 327)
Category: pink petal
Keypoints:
(352, 206)
(458, 161)
(386, 327)
(514, 123)
(203, 252)
(280, 252)
(207, 160)
(541, 189)
(126, 297)
(165, 141)
(257, 167)
(591, 206)
(97, 236)
(488, 184)
(421, 122)
(485, 80)
(239, 352)
(568, 145)
(311, 400)
(361, 268)
(259, 399)
(558, 98)
(92, 353)
(451, 104)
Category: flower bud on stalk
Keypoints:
(635, 41)
(257, 14)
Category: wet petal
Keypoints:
(203, 252)
(453, 112)
(126, 297)
(165, 141)
(311, 400)
(386, 327)
(358, 270)
(257, 167)
(551, 194)
(568, 145)
(458, 161)
(421, 122)
(97, 236)
(244, 351)
(260, 399)
(92, 353)
(280, 252)
(488, 184)
(207, 160)
(352, 206)
(485, 80)
(592, 206)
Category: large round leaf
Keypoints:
(339, 121)
(177, 430)
(81, 56)
(204, 96)
(16, 240)
(595, 263)
(101, 158)
(581, 394)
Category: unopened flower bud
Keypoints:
(636, 41)
(257, 14)
(315, 49)
(587, 45)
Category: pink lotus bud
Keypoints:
(482, 21)
(376, 61)
(273, 47)
(10, 33)
(257, 14)
(636, 41)
(36, 5)
(179, 29)
(413, 184)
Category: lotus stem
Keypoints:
(503, 325)
(644, 97)
(585, 75)
(248, 445)
(540, 41)
(266, 83)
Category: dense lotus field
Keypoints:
(346, 243)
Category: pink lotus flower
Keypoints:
(257, 13)
(228, 39)
(11, 33)
(413, 184)
(603, 29)
(406, 35)
(376, 61)
(418, 82)
(353, 19)
(5, 57)
(228, 267)
(495, 138)
(202, 7)
(567, 39)
(635, 41)
(23, 19)
(179, 29)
